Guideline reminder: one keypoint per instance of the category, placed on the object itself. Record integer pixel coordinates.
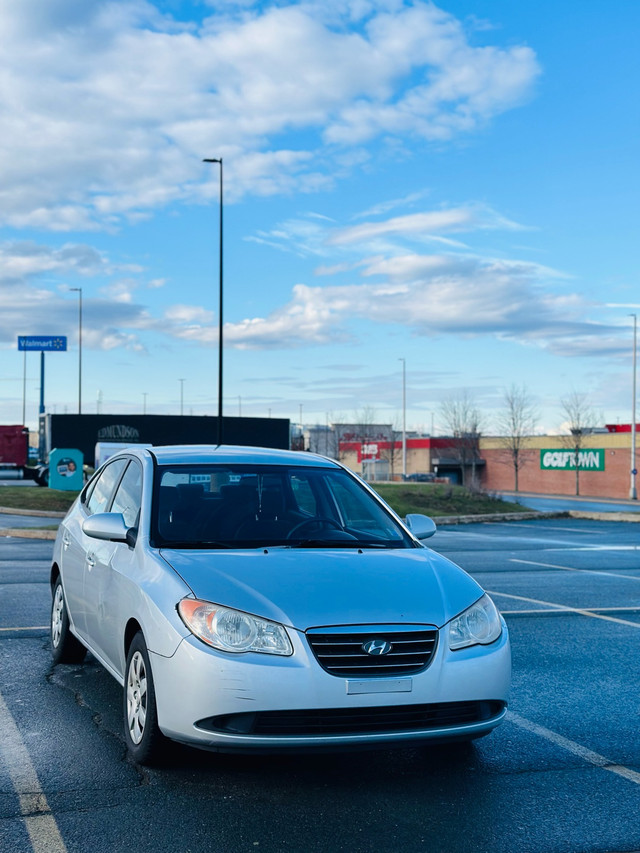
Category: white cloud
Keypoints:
(437, 295)
(35, 297)
(26, 259)
(423, 225)
(117, 104)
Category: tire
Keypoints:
(65, 648)
(142, 735)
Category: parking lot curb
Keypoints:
(37, 513)
(27, 533)
(496, 516)
(528, 516)
(605, 516)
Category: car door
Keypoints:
(106, 580)
(77, 548)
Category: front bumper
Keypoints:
(255, 702)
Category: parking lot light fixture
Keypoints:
(78, 290)
(633, 495)
(220, 292)
(404, 418)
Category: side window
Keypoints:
(303, 494)
(355, 511)
(99, 498)
(128, 498)
(360, 512)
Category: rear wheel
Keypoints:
(142, 735)
(65, 648)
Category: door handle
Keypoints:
(90, 561)
(65, 542)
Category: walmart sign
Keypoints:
(569, 460)
(42, 343)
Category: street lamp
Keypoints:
(404, 417)
(219, 160)
(632, 491)
(78, 290)
(181, 381)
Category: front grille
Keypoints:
(341, 652)
(354, 721)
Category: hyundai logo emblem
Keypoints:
(377, 647)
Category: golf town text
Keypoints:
(587, 460)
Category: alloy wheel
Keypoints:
(136, 698)
(57, 616)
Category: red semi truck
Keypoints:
(14, 452)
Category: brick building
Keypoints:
(547, 463)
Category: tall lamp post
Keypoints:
(78, 290)
(404, 417)
(219, 160)
(632, 491)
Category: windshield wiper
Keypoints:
(200, 543)
(335, 543)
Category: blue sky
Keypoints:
(455, 185)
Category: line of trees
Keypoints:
(461, 420)
(516, 422)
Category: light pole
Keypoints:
(24, 387)
(404, 417)
(78, 290)
(144, 402)
(220, 435)
(181, 381)
(632, 491)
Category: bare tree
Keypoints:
(580, 420)
(392, 452)
(367, 434)
(462, 420)
(515, 422)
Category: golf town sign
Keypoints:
(565, 460)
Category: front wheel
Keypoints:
(141, 732)
(65, 648)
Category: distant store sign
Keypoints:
(42, 343)
(565, 460)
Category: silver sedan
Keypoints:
(253, 599)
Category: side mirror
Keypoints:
(107, 525)
(421, 526)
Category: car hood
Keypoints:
(305, 588)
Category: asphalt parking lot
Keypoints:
(561, 774)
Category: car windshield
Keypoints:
(252, 506)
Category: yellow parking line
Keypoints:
(575, 748)
(40, 823)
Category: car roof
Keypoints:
(197, 454)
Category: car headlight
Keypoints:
(480, 624)
(233, 631)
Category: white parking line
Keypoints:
(569, 610)
(40, 823)
(575, 748)
(573, 531)
(565, 608)
(571, 569)
(24, 628)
